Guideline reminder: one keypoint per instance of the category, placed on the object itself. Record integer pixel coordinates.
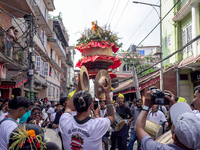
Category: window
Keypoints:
(126, 67)
(58, 76)
(50, 71)
(41, 67)
(49, 90)
(58, 93)
(187, 37)
(55, 74)
(38, 63)
(46, 66)
(141, 52)
(51, 53)
(168, 41)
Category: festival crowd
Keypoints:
(81, 123)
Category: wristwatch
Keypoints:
(144, 107)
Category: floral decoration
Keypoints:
(21, 136)
(96, 33)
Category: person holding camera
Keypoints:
(185, 129)
(81, 131)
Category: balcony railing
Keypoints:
(59, 43)
(11, 47)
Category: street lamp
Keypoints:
(159, 15)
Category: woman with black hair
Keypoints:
(18, 108)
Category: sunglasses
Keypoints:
(38, 112)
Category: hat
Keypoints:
(71, 94)
(35, 107)
(112, 88)
(121, 95)
(181, 99)
(12, 96)
(187, 125)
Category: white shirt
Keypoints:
(196, 112)
(87, 136)
(156, 117)
(6, 127)
(51, 111)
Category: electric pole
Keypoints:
(31, 54)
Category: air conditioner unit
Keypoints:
(156, 51)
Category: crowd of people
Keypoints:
(81, 125)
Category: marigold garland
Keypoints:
(22, 135)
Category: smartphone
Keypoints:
(96, 104)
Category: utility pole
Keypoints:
(161, 63)
(135, 81)
(31, 54)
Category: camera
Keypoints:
(158, 97)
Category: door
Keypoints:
(185, 91)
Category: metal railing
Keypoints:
(59, 43)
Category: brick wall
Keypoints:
(6, 20)
(169, 83)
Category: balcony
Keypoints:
(69, 62)
(56, 65)
(50, 5)
(23, 5)
(14, 55)
(39, 46)
(41, 16)
(56, 44)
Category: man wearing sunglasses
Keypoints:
(35, 116)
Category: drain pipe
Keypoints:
(177, 81)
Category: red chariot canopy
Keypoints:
(102, 44)
(94, 58)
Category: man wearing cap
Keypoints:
(35, 116)
(185, 129)
(121, 135)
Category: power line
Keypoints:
(111, 11)
(179, 50)
(114, 11)
(139, 26)
(121, 15)
(158, 23)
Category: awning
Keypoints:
(143, 86)
(190, 61)
(14, 86)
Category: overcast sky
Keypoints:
(127, 19)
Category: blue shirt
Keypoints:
(25, 117)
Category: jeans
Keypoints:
(132, 140)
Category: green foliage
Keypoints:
(166, 65)
(140, 62)
(96, 33)
(148, 71)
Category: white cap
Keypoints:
(187, 125)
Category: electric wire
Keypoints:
(158, 24)
(121, 15)
(179, 50)
(114, 11)
(111, 11)
(139, 26)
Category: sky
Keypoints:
(132, 22)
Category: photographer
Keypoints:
(185, 129)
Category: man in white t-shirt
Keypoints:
(51, 111)
(157, 116)
(81, 131)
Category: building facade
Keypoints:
(178, 28)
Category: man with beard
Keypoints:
(135, 110)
